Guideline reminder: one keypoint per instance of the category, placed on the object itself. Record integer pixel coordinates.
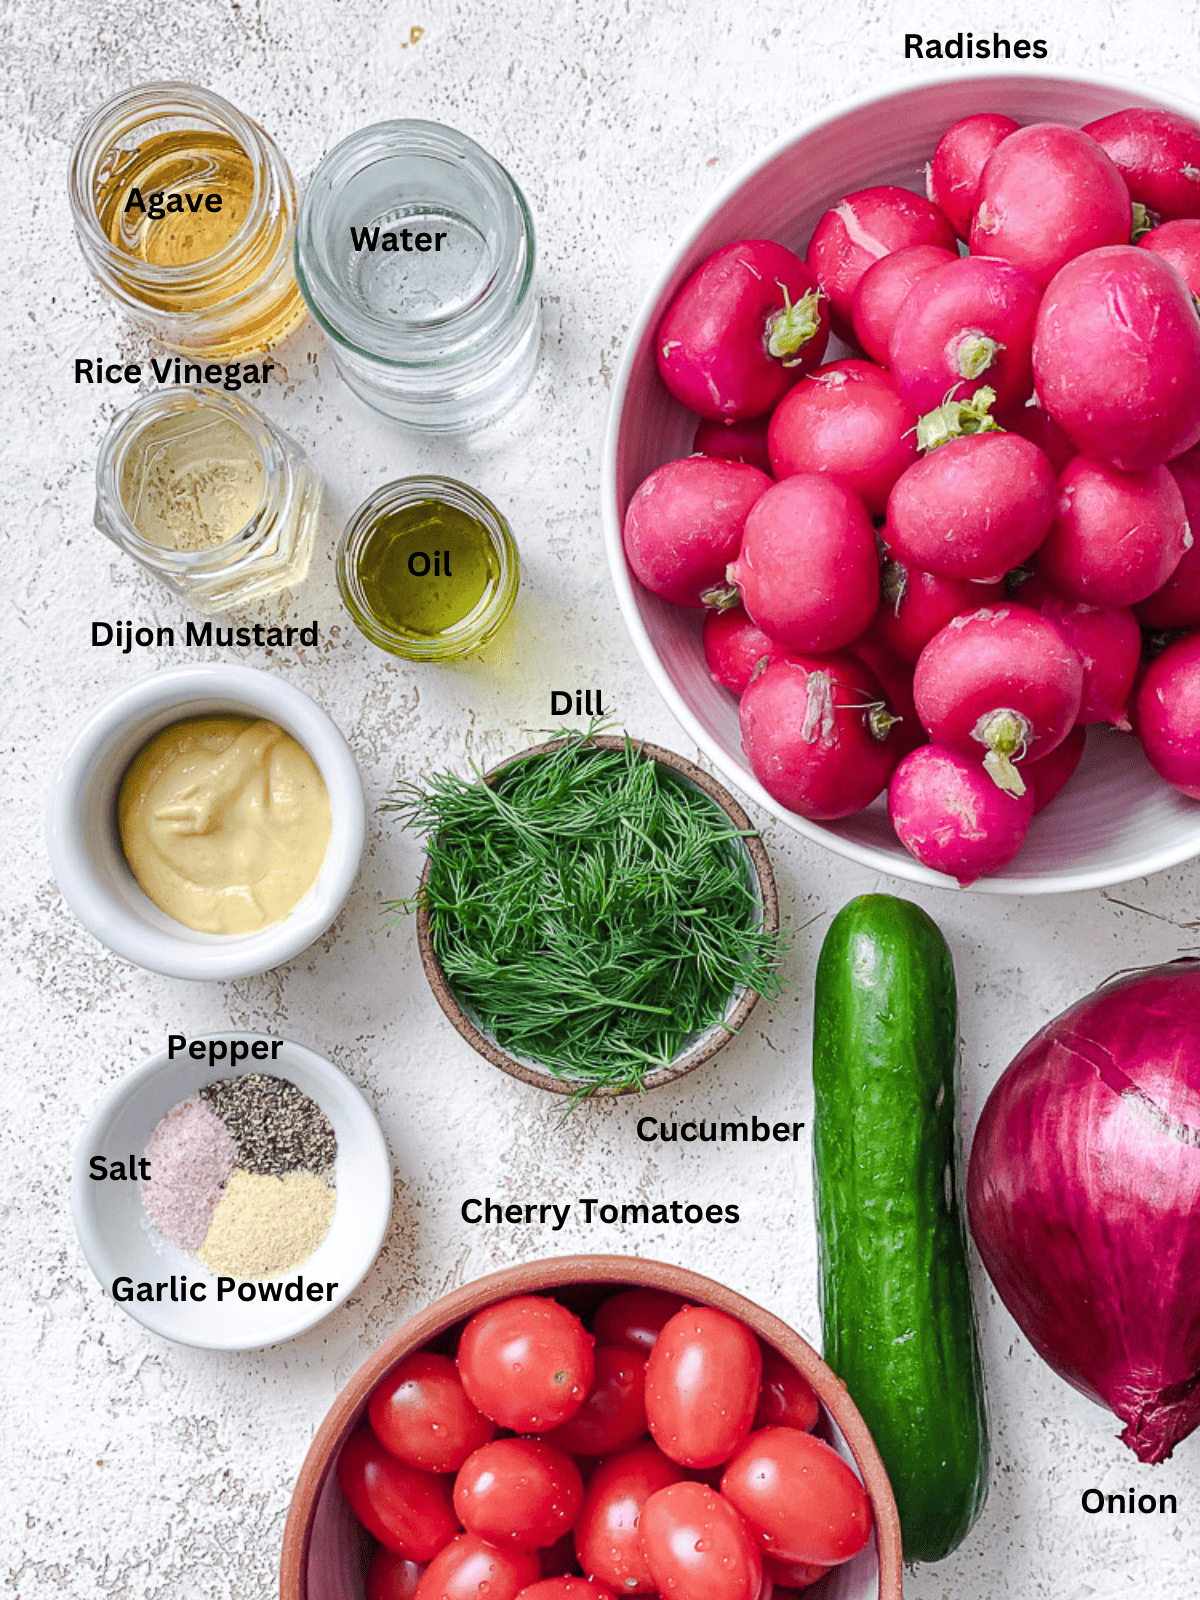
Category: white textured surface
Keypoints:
(137, 1468)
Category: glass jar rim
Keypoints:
(393, 496)
(328, 301)
(123, 113)
(122, 436)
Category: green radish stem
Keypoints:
(722, 596)
(1144, 220)
(893, 584)
(789, 330)
(976, 352)
(957, 419)
(1006, 734)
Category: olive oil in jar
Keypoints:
(428, 569)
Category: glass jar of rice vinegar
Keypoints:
(185, 211)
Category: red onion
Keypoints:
(1084, 1198)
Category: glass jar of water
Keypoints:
(415, 252)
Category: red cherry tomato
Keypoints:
(787, 1399)
(696, 1544)
(614, 1413)
(518, 1492)
(565, 1589)
(606, 1535)
(634, 1318)
(470, 1569)
(526, 1363)
(799, 1498)
(392, 1577)
(407, 1510)
(702, 1383)
(420, 1412)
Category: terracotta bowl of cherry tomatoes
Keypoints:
(590, 1427)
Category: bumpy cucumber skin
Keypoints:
(899, 1319)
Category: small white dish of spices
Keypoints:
(232, 1191)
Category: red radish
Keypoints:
(1118, 536)
(734, 646)
(883, 289)
(917, 604)
(1048, 777)
(746, 324)
(949, 814)
(1108, 641)
(970, 323)
(731, 440)
(684, 525)
(1177, 603)
(973, 508)
(896, 681)
(1116, 357)
(807, 570)
(1047, 194)
(1179, 243)
(1040, 428)
(1168, 714)
(816, 732)
(860, 229)
(845, 419)
(1158, 155)
(952, 177)
(1001, 683)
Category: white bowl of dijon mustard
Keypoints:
(207, 822)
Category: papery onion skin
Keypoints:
(1083, 1193)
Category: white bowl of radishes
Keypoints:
(899, 530)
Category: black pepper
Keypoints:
(276, 1127)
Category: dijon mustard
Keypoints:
(224, 822)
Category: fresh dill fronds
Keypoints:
(589, 908)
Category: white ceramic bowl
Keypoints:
(85, 848)
(119, 1240)
(1117, 820)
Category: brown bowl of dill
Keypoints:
(596, 916)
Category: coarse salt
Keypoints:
(191, 1155)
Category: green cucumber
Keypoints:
(899, 1320)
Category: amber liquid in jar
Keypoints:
(184, 164)
(185, 211)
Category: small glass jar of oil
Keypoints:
(428, 569)
(200, 489)
(186, 213)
